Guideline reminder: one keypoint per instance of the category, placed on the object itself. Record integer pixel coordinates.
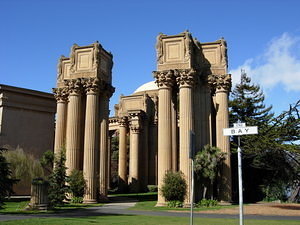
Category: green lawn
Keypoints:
(141, 220)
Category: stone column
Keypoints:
(61, 119)
(185, 80)
(109, 161)
(222, 84)
(73, 126)
(134, 153)
(123, 152)
(174, 133)
(164, 80)
(91, 139)
(104, 107)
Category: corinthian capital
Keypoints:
(220, 82)
(60, 94)
(123, 121)
(185, 77)
(74, 86)
(135, 121)
(91, 85)
(164, 78)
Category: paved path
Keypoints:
(121, 208)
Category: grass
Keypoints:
(17, 206)
(137, 220)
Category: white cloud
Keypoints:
(278, 64)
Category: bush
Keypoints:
(175, 204)
(77, 183)
(207, 203)
(174, 186)
(152, 188)
(76, 200)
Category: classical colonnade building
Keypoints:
(190, 93)
(82, 93)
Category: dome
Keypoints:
(150, 86)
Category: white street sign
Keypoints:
(237, 131)
(236, 125)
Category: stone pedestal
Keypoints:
(39, 195)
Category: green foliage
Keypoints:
(275, 192)
(152, 188)
(76, 200)
(175, 204)
(47, 160)
(174, 186)
(77, 183)
(273, 155)
(6, 180)
(115, 148)
(57, 181)
(207, 203)
(23, 166)
(206, 166)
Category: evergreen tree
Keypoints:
(269, 158)
(6, 182)
(57, 181)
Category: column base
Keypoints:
(161, 204)
(90, 201)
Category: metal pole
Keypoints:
(192, 193)
(240, 181)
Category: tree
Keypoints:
(6, 182)
(57, 181)
(77, 185)
(269, 158)
(206, 167)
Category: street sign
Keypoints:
(237, 131)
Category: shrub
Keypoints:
(175, 204)
(77, 183)
(174, 186)
(152, 188)
(76, 200)
(207, 203)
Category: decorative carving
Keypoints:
(96, 55)
(185, 77)
(74, 86)
(60, 67)
(159, 48)
(224, 59)
(91, 85)
(164, 78)
(123, 121)
(72, 57)
(60, 94)
(220, 82)
(134, 122)
(187, 45)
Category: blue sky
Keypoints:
(263, 37)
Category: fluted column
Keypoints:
(185, 80)
(122, 152)
(104, 101)
(61, 119)
(222, 84)
(91, 140)
(164, 80)
(73, 126)
(174, 133)
(134, 153)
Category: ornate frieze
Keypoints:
(164, 78)
(220, 82)
(185, 77)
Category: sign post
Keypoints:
(192, 154)
(238, 130)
